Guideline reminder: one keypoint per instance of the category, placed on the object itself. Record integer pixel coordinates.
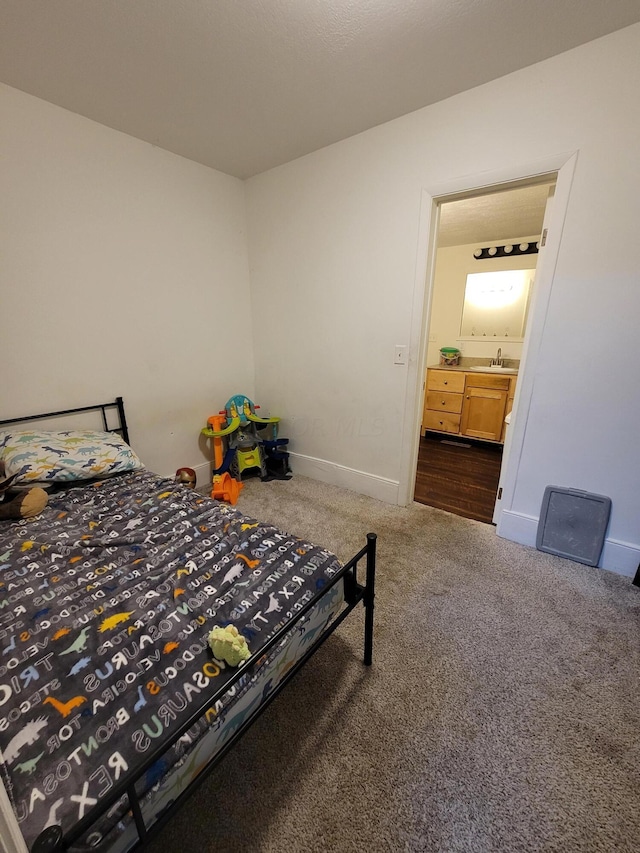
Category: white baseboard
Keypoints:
(327, 472)
(620, 557)
(518, 527)
(348, 478)
(203, 473)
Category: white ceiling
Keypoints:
(501, 215)
(244, 85)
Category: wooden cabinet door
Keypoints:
(483, 412)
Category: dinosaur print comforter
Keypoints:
(106, 602)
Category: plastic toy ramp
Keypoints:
(215, 428)
(250, 415)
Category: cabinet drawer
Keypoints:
(486, 380)
(441, 421)
(444, 401)
(445, 380)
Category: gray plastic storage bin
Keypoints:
(573, 524)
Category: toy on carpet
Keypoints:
(229, 645)
(224, 486)
(187, 476)
(239, 446)
(25, 504)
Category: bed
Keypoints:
(112, 706)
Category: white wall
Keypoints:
(453, 264)
(333, 249)
(124, 271)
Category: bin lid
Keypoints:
(449, 350)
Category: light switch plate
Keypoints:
(400, 354)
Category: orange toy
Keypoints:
(216, 428)
(225, 488)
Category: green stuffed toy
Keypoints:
(229, 645)
(25, 504)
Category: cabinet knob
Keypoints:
(467, 397)
(446, 382)
(441, 422)
(444, 402)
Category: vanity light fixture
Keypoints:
(504, 251)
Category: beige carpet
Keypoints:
(501, 712)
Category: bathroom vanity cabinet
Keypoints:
(469, 403)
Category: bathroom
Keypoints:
(486, 253)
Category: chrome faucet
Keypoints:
(497, 361)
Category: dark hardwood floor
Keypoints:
(458, 475)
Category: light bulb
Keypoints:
(508, 249)
(477, 253)
(493, 251)
(524, 247)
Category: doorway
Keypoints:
(485, 257)
(458, 476)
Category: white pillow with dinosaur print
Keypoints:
(57, 457)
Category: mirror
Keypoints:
(496, 305)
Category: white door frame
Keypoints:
(499, 504)
(564, 165)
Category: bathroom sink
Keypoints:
(494, 368)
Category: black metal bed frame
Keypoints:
(117, 404)
(53, 839)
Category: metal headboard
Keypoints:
(117, 404)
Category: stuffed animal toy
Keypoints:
(229, 645)
(25, 504)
